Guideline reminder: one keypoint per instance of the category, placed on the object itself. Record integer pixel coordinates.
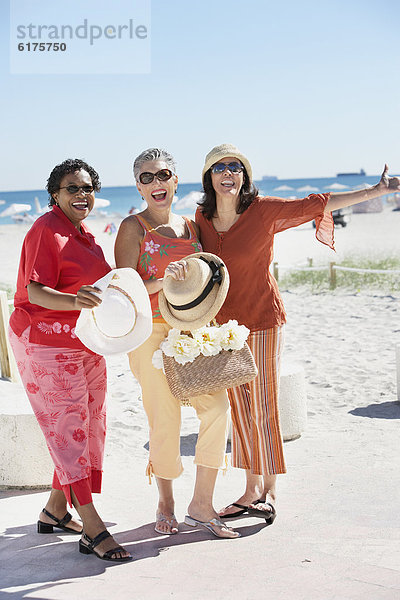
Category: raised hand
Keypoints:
(391, 184)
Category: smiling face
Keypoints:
(157, 194)
(227, 185)
(75, 206)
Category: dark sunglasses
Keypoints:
(162, 175)
(233, 167)
(74, 189)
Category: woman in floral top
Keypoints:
(153, 242)
(65, 382)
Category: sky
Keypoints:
(304, 89)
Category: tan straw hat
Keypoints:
(222, 151)
(191, 303)
(123, 320)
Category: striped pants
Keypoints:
(256, 437)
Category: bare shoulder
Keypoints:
(131, 227)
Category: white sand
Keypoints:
(337, 534)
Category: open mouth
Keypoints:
(81, 205)
(159, 195)
(228, 183)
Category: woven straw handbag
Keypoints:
(208, 374)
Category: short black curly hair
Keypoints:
(70, 166)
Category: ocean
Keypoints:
(123, 199)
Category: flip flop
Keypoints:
(209, 525)
(262, 514)
(59, 523)
(161, 517)
(238, 513)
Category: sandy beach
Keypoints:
(337, 534)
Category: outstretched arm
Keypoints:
(386, 185)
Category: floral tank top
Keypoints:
(157, 251)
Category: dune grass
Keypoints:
(10, 294)
(319, 281)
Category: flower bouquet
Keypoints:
(206, 360)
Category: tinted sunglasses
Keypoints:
(73, 189)
(233, 167)
(162, 175)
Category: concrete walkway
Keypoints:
(336, 536)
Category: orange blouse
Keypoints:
(247, 249)
(157, 251)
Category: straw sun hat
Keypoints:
(191, 303)
(222, 151)
(123, 320)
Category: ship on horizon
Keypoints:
(361, 173)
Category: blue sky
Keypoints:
(304, 88)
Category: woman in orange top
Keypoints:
(239, 226)
(152, 242)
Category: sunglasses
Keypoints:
(74, 189)
(233, 167)
(162, 175)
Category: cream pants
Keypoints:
(164, 415)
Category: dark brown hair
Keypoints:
(208, 203)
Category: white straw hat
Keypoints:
(123, 320)
(191, 303)
(223, 151)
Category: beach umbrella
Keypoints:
(101, 202)
(307, 188)
(38, 208)
(283, 188)
(14, 209)
(336, 186)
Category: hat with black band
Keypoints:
(190, 303)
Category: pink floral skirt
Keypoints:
(67, 389)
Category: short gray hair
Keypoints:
(153, 154)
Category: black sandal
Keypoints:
(238, 513)
(60, 523)
(269, 516)
(89, 548)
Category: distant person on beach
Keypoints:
(239, 226)
(64, 381)
(153, 242)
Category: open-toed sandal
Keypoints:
(161, 518)
(268, 515)
(60, 523)
(210, 525)
(237, 513)
(88, 547)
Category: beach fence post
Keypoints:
(332, 275)
(275, 270)
(398, 370)
(7, 360)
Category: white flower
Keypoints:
(208, 340)
(232, 335)
(180, 346)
